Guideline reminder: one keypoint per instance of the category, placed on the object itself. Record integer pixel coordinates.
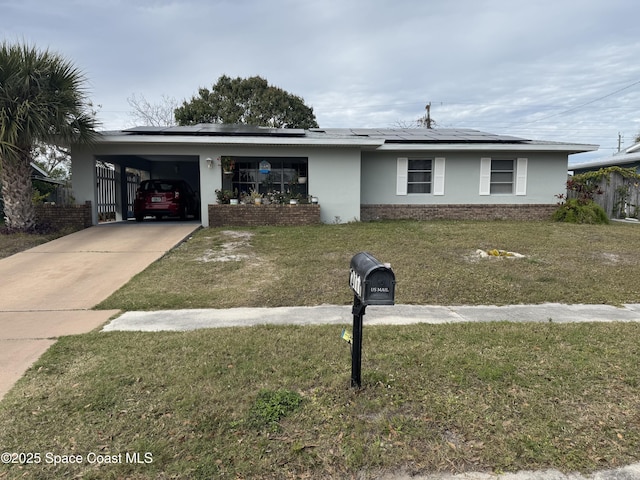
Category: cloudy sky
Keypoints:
(556, 70)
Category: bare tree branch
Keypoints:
(149, 114)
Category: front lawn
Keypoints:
(434, 263)
(275, 402)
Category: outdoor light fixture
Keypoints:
(209, 163)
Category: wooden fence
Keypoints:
(62, 195)
(620, 197)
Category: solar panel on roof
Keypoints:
(218, 129)
(144, 129)
(443, 136)
(182, 129)
(390, 135)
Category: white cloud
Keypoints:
(539, 69)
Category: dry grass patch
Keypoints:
(12, 243)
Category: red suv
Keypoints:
(160, 198)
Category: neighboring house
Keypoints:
(356, 174)
(629, 158)
(56, 192)
(37, 173)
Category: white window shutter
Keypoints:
(521, 177)
(438, 176)
(485, 176)
(402, 176)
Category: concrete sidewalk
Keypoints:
(48, 291)
(178, 320)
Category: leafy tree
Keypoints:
(41, 100)
(250, 101)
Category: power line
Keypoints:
(580, 106)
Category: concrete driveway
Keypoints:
(48, 291)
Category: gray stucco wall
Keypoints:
(334, 177)
(546, 177)
(83, 178)
(334, 173)
(342, 178)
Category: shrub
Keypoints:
(575, 210)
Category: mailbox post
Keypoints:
(372, 283)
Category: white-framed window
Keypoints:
(420, 176)
(503, 176)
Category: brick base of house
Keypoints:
(457, 212)
(76, 217)
(260, 215)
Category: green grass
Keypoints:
(434, 263)
(275, 402)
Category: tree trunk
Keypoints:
(17, 192)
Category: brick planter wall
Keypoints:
(259, 215)
(457, 212)
(65, 216)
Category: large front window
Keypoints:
(268, 174)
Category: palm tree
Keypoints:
(41, 100)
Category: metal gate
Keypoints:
(107, 192)
(106, 184)
(133, 180)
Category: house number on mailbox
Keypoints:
(355, 282)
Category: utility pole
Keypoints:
(426, 121)
(619, 141)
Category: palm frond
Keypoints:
(42, 98)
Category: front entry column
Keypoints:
(122, 203)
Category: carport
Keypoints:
(329, 163)
(130, 157)
(118, 177)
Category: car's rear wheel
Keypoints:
(139, 218)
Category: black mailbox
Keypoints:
(371, 281)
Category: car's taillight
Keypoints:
(176, 194)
